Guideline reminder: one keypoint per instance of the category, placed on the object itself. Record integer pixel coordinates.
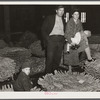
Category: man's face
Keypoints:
(76, 15)
(60, 12)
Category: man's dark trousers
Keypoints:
(54, 52)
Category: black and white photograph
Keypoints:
(50, 48)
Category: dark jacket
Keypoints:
(47, 27)
(22, 83)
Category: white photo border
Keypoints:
(50, 95)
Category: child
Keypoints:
(77, 38)
(23, 82)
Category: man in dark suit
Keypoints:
(53, 36)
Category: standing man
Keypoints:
(53, 36)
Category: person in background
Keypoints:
(53, 36)
(23, 82)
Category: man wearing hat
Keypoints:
(23, 82)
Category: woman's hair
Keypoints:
(75, 10)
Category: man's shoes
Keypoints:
(62, 69)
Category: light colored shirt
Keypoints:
(58, 28)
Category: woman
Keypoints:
(73, 27)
